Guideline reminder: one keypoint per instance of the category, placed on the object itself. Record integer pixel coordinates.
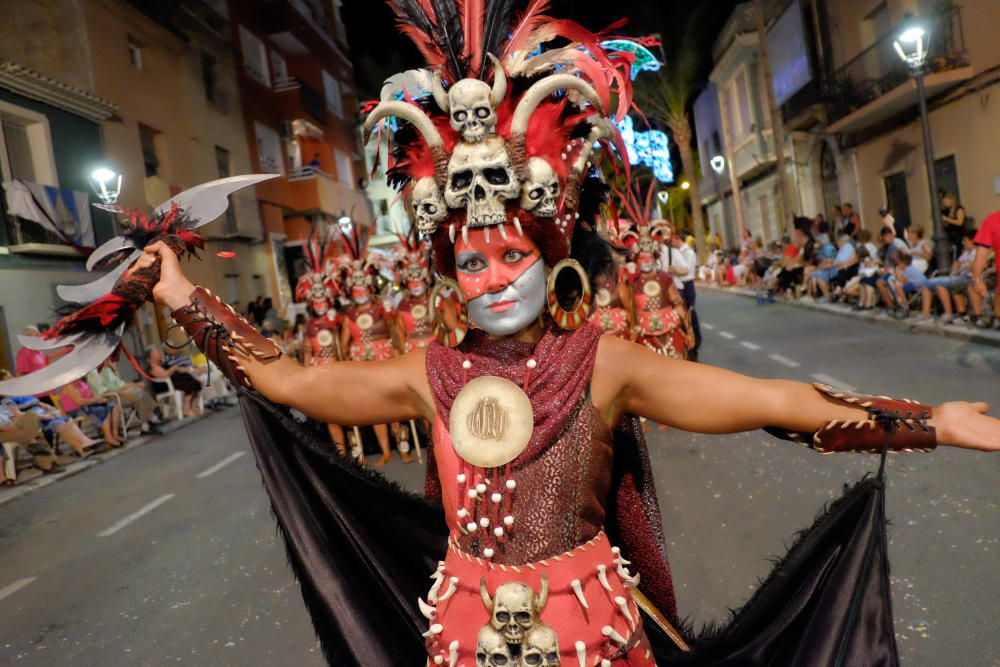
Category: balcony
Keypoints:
(876, 85)
(313, 191)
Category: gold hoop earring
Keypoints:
(451, 318)
(569, 295)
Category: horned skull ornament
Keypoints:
(481, 180)
(472, 104)
(492, 650)
(541, 189)
(541, 647)
(429, 207)
(515, 608)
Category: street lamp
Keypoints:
(107, 184)
(344, 222)
(685, 185)
(912, 48)
(718, 164)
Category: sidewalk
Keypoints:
(75, 466)
(965, 332)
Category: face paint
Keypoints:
(503, 281)
(360, 295)
(416, 288)
(320, 306)
(646, 262)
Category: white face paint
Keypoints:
(417, 289)
(510, 310)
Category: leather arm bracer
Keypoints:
(222, 334)
(898, 423)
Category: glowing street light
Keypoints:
(718, 164)
(344, 222)
(663, 196)
(107, 184)
(685, 185)
(911, 46)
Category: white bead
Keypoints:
(511, 484)
(437, 628)
(532, 363)
(462, 512)
(496, 497)
(471, 526)
(498, 531)
(508, 521)
(484, 522)
(439, 660)
(472, 493)
(460, 478)
(466, 364)
(480, 488)
(488, 553)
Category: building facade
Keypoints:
(50, 140)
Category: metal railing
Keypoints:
(879, 69)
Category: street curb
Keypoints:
(10, 494)
(967, 334)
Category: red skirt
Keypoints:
(587, 615)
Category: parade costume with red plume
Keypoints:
(318, 288)
(540, 527)
(367, 321)
(413, 313)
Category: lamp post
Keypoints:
(718, 164)
(912, 48)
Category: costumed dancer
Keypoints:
(548, 545)
(367, 330)
(614, 306)
(319, 290)
(414, 317)
(661, 318)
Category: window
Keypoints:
(331, 89)
(268, 149)
(17, 147)
(210, 77)
(742, 119)
(280, 68)
(875, 25)
(946, 175)
(716, 144)
(254, 57)
(345, 172)
(147, 138)
(135, 52)
(897, 198)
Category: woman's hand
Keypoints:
(173, 290)
(966, 425)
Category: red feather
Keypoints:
(472, 13)
(525, 26)
(428, 47)
(101, 315)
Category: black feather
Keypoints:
(496, 28)
(448, 34)
(410, 11)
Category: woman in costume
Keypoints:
(366, 333)
(414, 318)
(614, 308)
(321, 344)
(661, 318)
(552, 523)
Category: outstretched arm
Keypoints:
(356, 393)
(694, 397)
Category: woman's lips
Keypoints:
(501, 306)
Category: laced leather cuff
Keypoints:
(224, 336)
(897, 422)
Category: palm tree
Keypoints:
(667, 94)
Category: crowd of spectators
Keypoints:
(840, 262)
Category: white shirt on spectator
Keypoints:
(683, 256)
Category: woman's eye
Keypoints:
(472, 264)
(512, 256)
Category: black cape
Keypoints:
(362, 549)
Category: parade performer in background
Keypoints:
(414, 317)
(541, 529)
(318, 288)
(661, 318)
(614, 306)
(366, 333)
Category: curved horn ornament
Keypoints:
(440, 95)
(541, 90)
(499, 89)
(411, 114)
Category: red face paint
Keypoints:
(483, 267)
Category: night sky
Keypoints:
(379, 50)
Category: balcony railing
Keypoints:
(879, 69)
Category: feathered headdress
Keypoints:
(356, 266)
(316, 284)
(520, 147)
(642, 233)
(412, 258)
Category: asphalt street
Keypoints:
(168, 554)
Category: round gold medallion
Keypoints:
(651, 288)
(491, 421)
(365, 321)
(324, 337)
(602, 298)
(419, 311)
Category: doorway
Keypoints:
(829, 180)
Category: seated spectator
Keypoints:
(54, 422)
(907, 280)
(852, 221)
(952, 287)
(77, 399)
(180, 375)
(104, 382)
(862, 285)
(987, 240)
(921, 248)
(830, 268)
(865, 239)
(892, 250)
(29, 361)
(25, 429)
(794, 258)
